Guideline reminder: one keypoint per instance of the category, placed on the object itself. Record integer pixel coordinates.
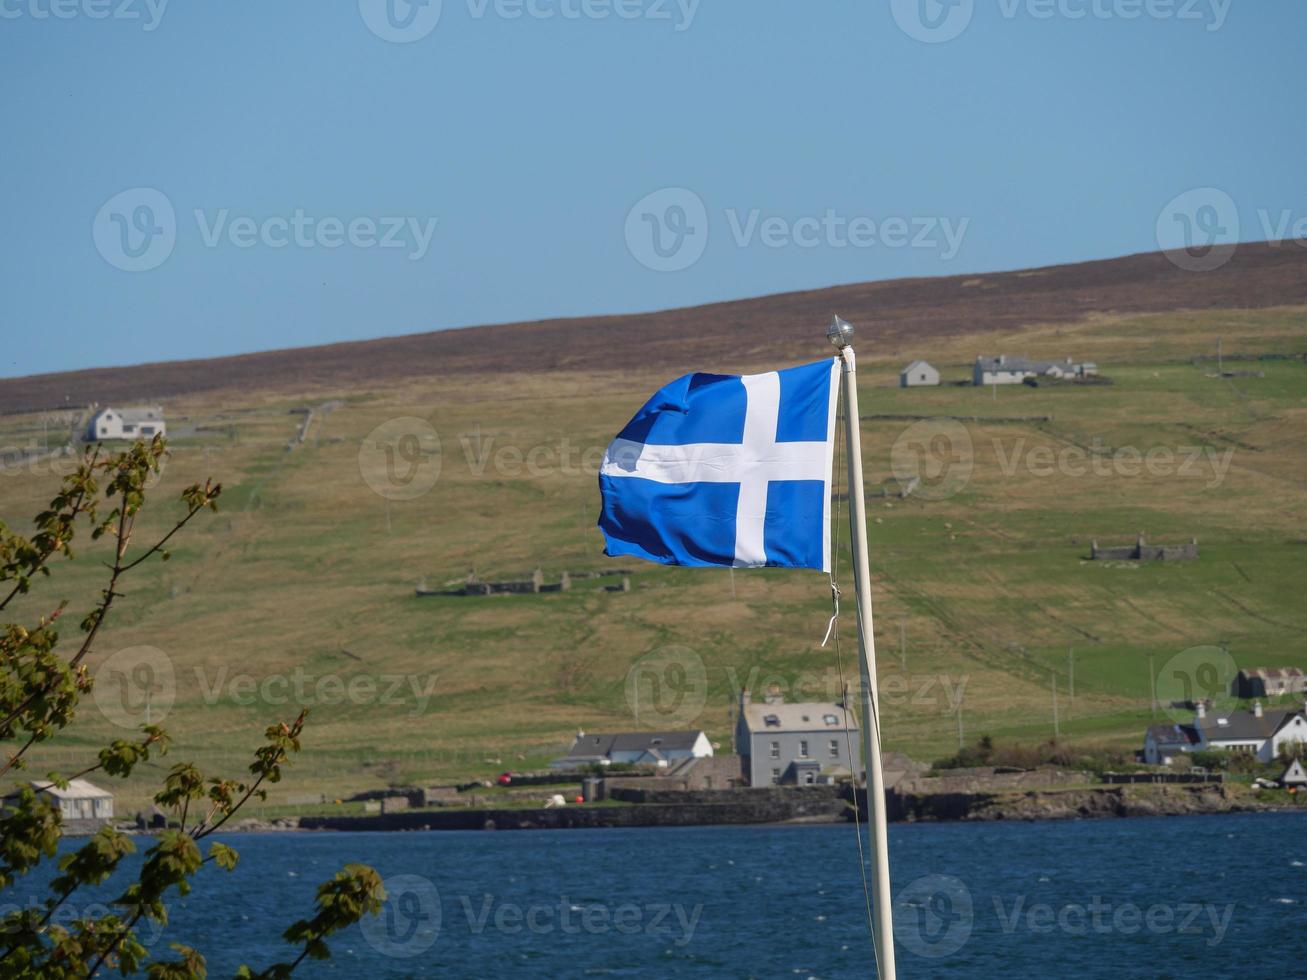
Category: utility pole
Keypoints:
(1220, 367)
(1071, 673)
(1053, 681)
(1152, 687)
(962, 743)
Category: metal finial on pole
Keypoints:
(840, 333)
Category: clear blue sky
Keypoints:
(529, 139)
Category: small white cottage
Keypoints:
(142, 422)
(918, 374)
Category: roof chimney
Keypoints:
(745, 697)
(1257, 709)
(1200, 709)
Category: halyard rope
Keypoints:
(832, 628)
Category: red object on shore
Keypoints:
(505, 778)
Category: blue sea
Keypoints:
(1149, 897)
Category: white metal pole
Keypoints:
(841, 335)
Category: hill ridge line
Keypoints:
(892, 312)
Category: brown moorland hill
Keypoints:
(779, 326)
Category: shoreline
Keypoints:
(807, 806)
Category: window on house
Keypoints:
(831, 720)
(775, 775)
(772, 721)
(803, 749)
(835, 748)
(775, 750)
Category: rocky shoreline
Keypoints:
(803, 806)
(1077, 804)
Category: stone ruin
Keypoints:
(1142, 551)
(530, 586)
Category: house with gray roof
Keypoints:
(1257, 732)
(83, 807)
(804, 742)
(142, 422)
(657, 749)
(1007, 370)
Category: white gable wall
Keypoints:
(1294, 732)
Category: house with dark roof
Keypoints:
(804, 742)
(656, 749)
(1164, 743)
(1258, 732)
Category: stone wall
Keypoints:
(765, 796)
(812, 804)
(987, 780)
(1142, 551)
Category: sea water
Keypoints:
(1148, 897)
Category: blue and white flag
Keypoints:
(724, 469)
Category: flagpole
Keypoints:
(840, 334)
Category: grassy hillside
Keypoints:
(307, 574)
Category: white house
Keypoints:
(142, 422)
(1294, 776)
(918, 374)
(1005, 370)
(1258, 732)
(82, 800)
(658, 749)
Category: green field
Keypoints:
(306, 576)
